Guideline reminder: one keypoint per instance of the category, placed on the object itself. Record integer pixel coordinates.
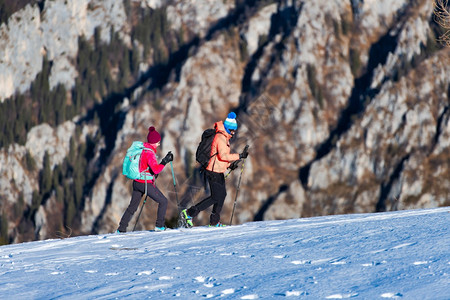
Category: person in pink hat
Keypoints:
(148, 162)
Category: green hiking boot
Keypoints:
(187, 218)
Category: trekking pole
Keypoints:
(239, 185)
(229, 172)
(175, 186)
(143, 203)
(145, 199)
(180, 222)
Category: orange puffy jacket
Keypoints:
(221, 158)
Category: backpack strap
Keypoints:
(217, 151)
(148, 168)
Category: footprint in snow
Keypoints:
(342, 296)
(246, 256)
(300, 262)
(252, 296)
(227, 254)
(200, 279)
(207, 282)
(391, 295)
(208, 295)
(227, 292)
(56, 273)
(292, 294)
(374, 263)
(145, 273)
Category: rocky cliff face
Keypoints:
(344, 104)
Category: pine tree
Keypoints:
(46, 175)
(4, 240)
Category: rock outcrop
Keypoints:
(345, 106)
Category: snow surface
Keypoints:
(404, 254)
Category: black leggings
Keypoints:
(154, 193)
(218, 194)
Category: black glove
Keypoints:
(167, 158)
(234, 165)
(244, 153)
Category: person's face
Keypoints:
(232, 132)
(157, 144)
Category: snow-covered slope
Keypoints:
(363, 256)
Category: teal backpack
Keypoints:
(130, 166)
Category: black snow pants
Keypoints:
(154, 193)
(218, 194)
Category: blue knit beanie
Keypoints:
(230, 123)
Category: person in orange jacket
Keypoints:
(221, 159)
(148, 161)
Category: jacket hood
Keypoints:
(221, 129)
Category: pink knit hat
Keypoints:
(153, 136)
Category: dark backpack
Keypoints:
(203, 153)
